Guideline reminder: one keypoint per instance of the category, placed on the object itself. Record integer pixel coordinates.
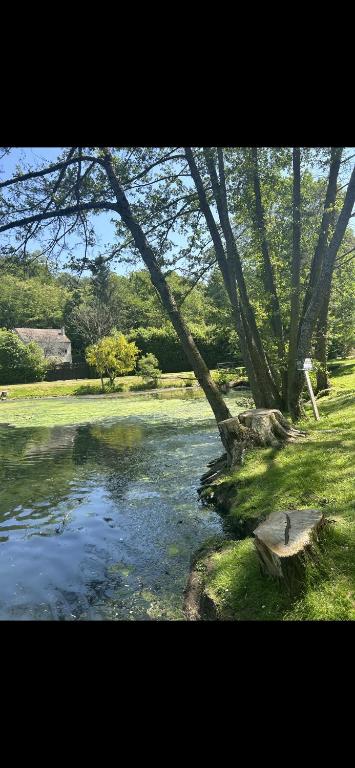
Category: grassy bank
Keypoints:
(317, 472)
(77, 387)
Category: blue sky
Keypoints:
(103, 226)
(35, 155)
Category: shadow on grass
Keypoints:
(339, 369)
(314, 475)
(241, 590)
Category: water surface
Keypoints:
(98, 520)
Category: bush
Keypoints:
(224, 376)
(215, 344)
(148, 368)
(112, 356)
(20, 363)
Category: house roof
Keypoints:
(42, 334)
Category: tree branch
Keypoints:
(69, 211)
(49, 169)
(157, 162)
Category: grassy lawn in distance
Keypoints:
(93, 386)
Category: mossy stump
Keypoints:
(285, 540)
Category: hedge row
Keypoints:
(214, 344)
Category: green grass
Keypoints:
(79, 387)
(318, 472)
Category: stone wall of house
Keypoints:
(61, 350)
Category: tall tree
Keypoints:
(72, 194)
(295, 271)
(302, 327)
(226, 197)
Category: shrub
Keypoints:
(215, 344)
(224, 376)
(148, 368)
(112, 356)
(20, 363)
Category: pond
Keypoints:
(99, 518)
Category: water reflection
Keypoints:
(100, 520)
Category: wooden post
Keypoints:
(313, 399)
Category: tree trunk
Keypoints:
(321, 349)
(260, 427)
(268, 272)
(267, 384)
(197, 363)
(321, 292)
(295, 272)
(263, 387)
(285, 541)
(317, 261)
(295, 405)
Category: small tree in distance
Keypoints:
(148, 368)
(112, 356)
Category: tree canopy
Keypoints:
(113, 356)
(272, 221)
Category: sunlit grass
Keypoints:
(318, 472)
(79, 387)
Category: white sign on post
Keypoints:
(306, 366)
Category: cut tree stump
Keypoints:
(262, 427)
(285, 540)
(270, 425)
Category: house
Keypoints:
(53, 341)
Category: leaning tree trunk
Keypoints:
(295, 275)
(320, 294)
(321, 349)
(196, 361)
(263, 387)
(285, 541)
(268, 276)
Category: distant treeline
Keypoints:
(35, 294)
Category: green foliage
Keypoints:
(20, 362)
(224, 376)
(90, 307)
(341, 322)
(190, 380)
(213, 343)
(148, 367)
(31, 303)
(113, 356)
